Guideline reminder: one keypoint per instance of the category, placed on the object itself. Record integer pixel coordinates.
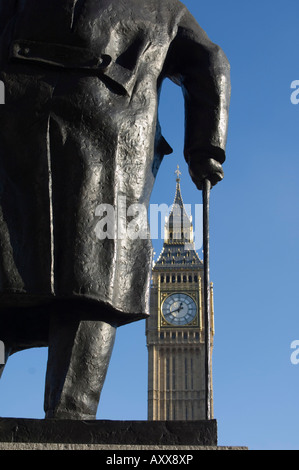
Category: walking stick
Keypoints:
(207, 294)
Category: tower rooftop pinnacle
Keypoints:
(178, 248)
(178, 173)
(178, 200)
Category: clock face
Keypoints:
(179, 309)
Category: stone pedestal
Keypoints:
(133, 437)
(200, 433)
(123, 450)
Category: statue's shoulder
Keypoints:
(176, 6)
(175, 11)
(168, 7)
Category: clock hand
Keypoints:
(178, 309)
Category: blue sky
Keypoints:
(254, 243)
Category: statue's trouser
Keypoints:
(78, 359)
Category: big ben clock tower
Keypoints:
(175, 329)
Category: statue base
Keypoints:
(101, 432)
(135, 438)
(188, 451)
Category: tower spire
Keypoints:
(178, 200)
(178, 248)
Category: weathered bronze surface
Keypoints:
(79, 129)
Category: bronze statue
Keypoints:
(79, 128)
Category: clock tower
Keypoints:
(175, 329)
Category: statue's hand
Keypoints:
(205, 168)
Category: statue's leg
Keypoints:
(79, 356)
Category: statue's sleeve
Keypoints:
(201, 68)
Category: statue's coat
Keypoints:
(80, 129)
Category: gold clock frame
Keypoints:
(195, 323)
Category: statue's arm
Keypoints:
(203, 71)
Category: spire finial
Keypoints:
(178, 173)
